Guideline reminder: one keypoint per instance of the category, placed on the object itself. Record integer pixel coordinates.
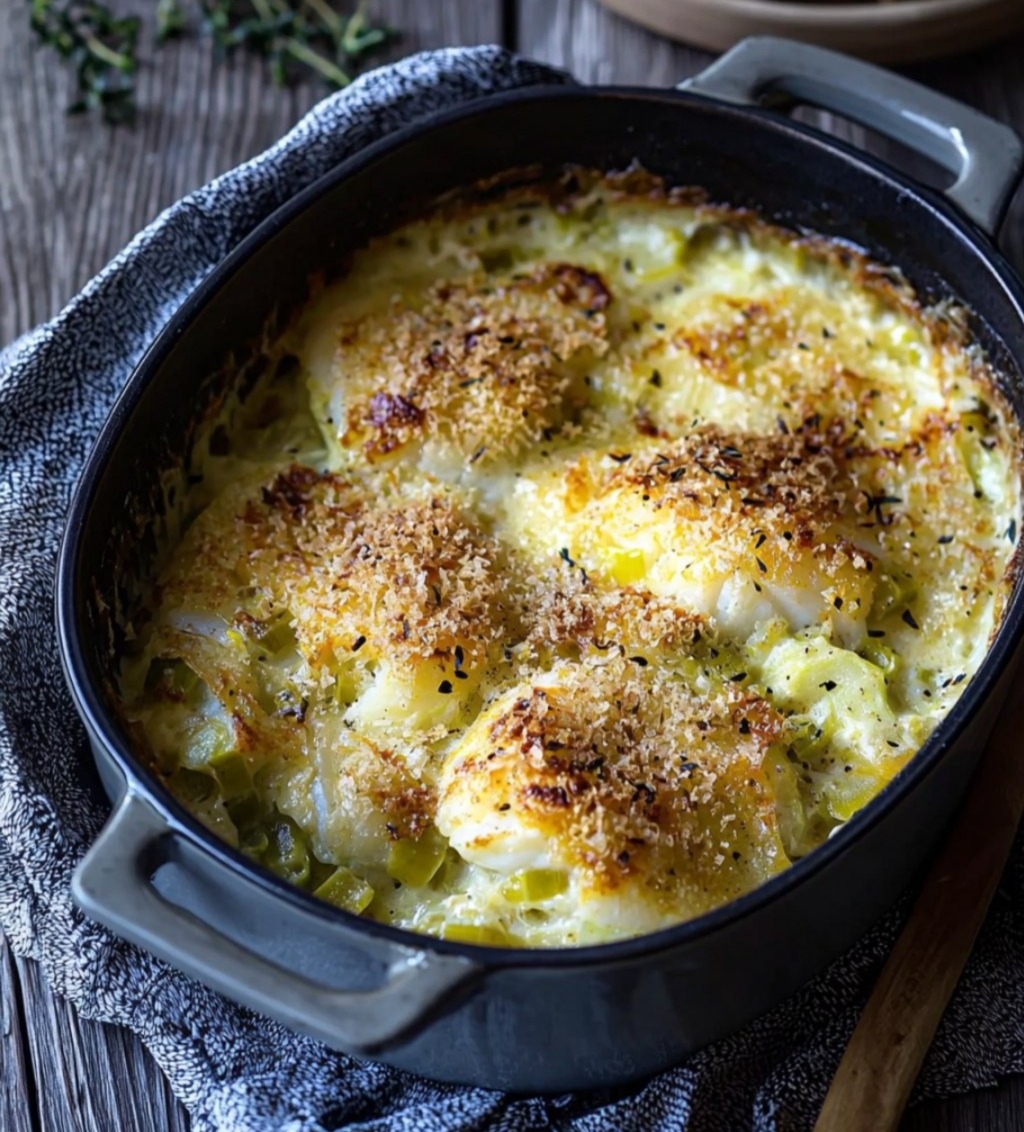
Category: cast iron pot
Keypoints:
(531, 1019)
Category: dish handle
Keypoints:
(983, 155)
(113, 884)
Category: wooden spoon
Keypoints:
(877, 1073)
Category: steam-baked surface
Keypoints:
(585, 556)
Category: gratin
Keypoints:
(583, 557)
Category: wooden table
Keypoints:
(72, 193)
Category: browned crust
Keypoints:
(627, 771)
(487, 368)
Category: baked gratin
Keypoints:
(584, 557)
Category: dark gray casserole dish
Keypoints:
(535, 1020)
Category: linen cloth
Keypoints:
(234, 1070)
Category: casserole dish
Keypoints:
(528, 1019)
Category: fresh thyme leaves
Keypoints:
(100, 46)
(170, 20)
(297, 37)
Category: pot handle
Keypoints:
(984, 155)
(113, 884)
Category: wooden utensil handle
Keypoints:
(882, 1061)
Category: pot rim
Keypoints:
(102, 725)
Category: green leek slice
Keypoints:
(288, 852)
(415, 862)
(344, 889)
(534, 886)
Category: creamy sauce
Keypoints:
(586, 556)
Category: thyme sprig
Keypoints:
(100, 46)
(297, 37)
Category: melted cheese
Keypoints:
(586, 555)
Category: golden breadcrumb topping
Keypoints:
(584, 555)
(485, 367)
(628, 775)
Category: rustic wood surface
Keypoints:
(73, 192)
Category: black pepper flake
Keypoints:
(620, 457)
(744, 726)
(828, 685)
(478, 453)
(656, 379)
(783, 427)
(659, 326)
(687, 767)
(876, 632)
(677, 474)
(908, 619)
(358, 643)
(788, 536)
(725, 477)
(1011, 531)
(445, 687)
(760, 565)
(826, 333)
(505, 806)
(891, 743)
(802, 346)
(460, 675)
(640, 660)
(627, 263)
(565, 556)
(761, 538)
(470, 381)
(960, 678)
(837, 602)
(877, 502)
(945, 540)
(738, 677)
(757, 586)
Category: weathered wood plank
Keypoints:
(91, 1077)
(599, 47)
(990, 1110)
(17, 1088)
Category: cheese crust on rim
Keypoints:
(584, 556)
